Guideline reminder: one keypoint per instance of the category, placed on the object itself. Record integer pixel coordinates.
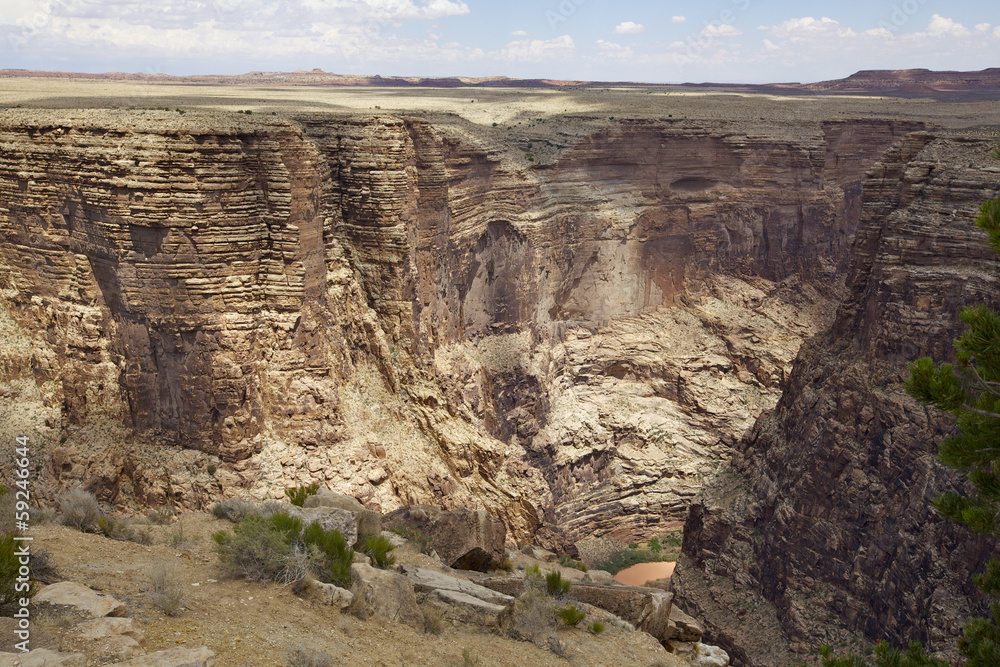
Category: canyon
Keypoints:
(593, 314)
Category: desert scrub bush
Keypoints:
(160, 516)
(597, 627)
(122, 530)
(302, 656)
(337, 555)
(531, 618)
(298, 495)
(571, 614)
(79, 509)
(178, 540)
(253, 550)
(556, 585)
(470, 658)
(433, 619)
(164, 590)
(279, 548)
(41, 516)
(378, 548)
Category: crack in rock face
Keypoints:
(195, 308)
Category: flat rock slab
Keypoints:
(426, 581)
(99, 628)
(473, 603)
(42, 657)
(182, 656)
(81, 599)
(335, 596)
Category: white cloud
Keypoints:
(770, 46)
(810, 28)
(723, 30)
(941, 26)
(629, 28)
(982, 27)
(519, 33)
(996, 32)
(678, 19)
(613, 50)
(535, 50)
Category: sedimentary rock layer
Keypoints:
(201, 305)
(824, 515)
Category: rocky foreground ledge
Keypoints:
(458, 592)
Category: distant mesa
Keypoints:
(904, 83)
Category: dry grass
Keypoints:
(79, 509)
(164, 589)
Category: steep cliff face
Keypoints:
(824, 514)
(410, 312)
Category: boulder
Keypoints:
(331, 595)
(648, 609)
(431, 581)
(181, 656)
(682, 627)
(116, 636)
(81, 599)
(368, 522)
(330, 518)
(385, 593)
(697, 654)
(464, 539)
(42, 657)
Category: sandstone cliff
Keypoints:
(823, 519)
(406, 311)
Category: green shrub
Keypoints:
(80, 510)
(571, 614)
(254, 550)
(338, 556)
(298, 495)
(211, 469)
(597, 627)
(654, 545)
(555, 584)
(378, 549)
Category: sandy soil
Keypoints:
(638, 575)
(253, 624)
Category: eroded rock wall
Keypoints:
(823, 522)
(402, 311)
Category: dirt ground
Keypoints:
(249, 624)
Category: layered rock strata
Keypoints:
(823, 519)
(409, 312)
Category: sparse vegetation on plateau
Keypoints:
(164, 590)
(80, 510)
(279, 548)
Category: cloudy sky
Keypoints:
(751, 41)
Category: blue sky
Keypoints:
(753, 41)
